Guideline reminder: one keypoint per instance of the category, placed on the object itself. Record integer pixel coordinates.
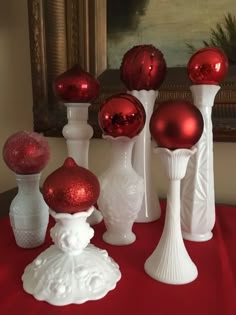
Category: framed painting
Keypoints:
(63, 33)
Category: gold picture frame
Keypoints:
(66, 32)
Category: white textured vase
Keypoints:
(198, 194)
(170, 262)
(150, 208)
(28, 212)
(72, 270)
(78, 133)
(121, 194)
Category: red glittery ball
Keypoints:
(26, 152)
(71, 188)
(207, 66)
(76, 86)
(122, 115)
(176, 124)
(143, 68)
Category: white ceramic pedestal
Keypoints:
(150, 209)
(198, 195)
(28, 212)
(71, 271)
(78, 133)
(121, 194)
(170, 262)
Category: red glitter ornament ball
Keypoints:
(208, 66)
(176, 124)
(26, 152)
(71, 188)
(143, 68)
(122, 115)
(76, 86)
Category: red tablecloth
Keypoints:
(212, 293)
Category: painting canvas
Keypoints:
(169, 25)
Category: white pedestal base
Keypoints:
(197, 237)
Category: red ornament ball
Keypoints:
(176, 124)
(71, 188)
(26, 152)
(208, 66)
(122, 115)
(143, 68)
(76, 86)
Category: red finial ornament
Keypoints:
(76, 86)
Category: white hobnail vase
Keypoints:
(72, 270)
(78, 133)
(150, 208)
(170, 262)
(198, 194)
(121, 194)
(28, 212)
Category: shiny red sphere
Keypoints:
(176, 124)
(143, 68)
(122, 115)
(208, 66)
(76, 86)
(26, 152)
(71, 188)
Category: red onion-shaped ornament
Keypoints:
(71, 188)
(176, 125)
(122, 115)
(76, 86)
(26, 152)
(208, 65)
(143, 68)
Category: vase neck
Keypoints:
(28, 184)
(121, 153)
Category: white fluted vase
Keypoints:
(78, 133)
(72, 270)
(121, 194)
(198, 194)
(28, 212)
(150, 208)
(170, 261)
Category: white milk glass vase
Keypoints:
(198, 194)
(170, 262)
(28, 212)
(121, 194)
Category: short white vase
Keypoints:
(72, 270)
(28, 212)
(170, 262)
(198, 194)
(78, 133)
(121, 194)
(150, 208)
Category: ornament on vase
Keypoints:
(176, 126)
(143, 70)
(26, 154)
(71, 270)
(121, 118)
(78, 89)
(206, 68)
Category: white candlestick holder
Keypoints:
(170, 262)
(150, 208)
(72, 270)
(78, 133)
(28, 212)
(198, 195)
(121, 194)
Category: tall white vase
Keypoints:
(121, 194)
(28, 212)
(198, 195)
(170, 262)
(78, 133)
(150, 208)
(72, 270)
